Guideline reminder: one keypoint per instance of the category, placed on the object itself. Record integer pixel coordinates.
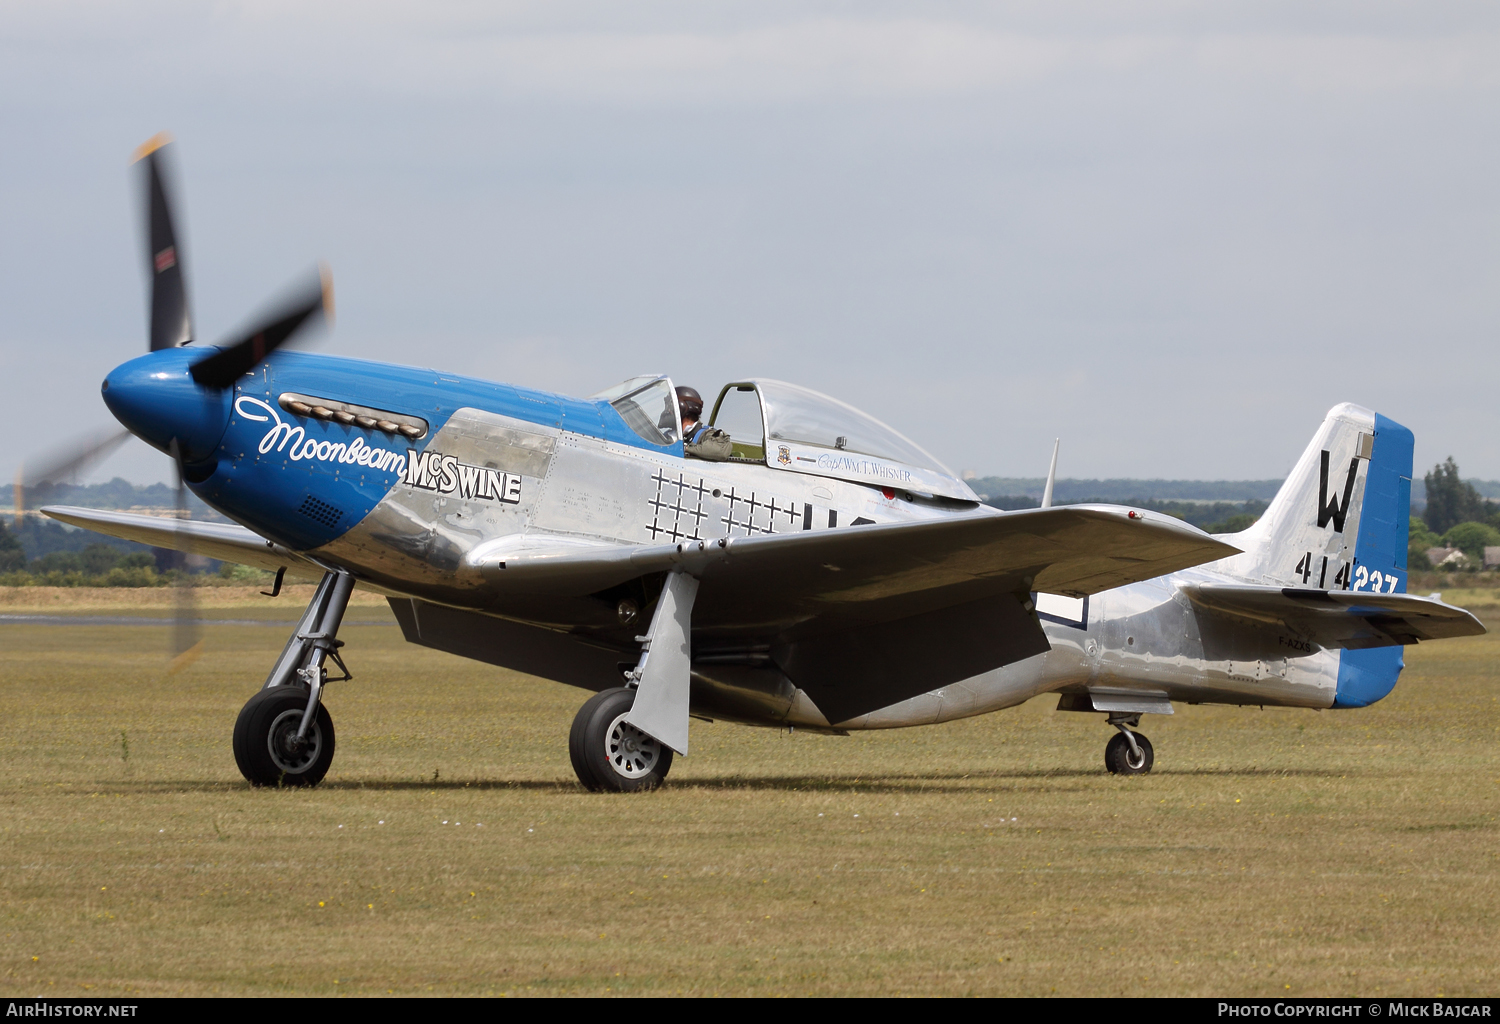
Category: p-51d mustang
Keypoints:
(830, 575)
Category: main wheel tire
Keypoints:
(265, 735)
(1119, 760)
(611, 755)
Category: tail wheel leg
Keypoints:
(1128, 752)
(611, 755)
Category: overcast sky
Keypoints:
(1173, 234)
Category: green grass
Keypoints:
(1273, 852)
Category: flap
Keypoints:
(228, 542)
(1339, 618)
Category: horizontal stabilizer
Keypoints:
(225, 541)
(1339, 618)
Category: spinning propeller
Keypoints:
(187, 643)
(309, 302)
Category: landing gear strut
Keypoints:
(1127, 752)
(284, 735)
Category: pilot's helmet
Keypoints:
(690, 402)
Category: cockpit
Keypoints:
(793, 429)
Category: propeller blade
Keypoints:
(74, 457)
(171, 322)
(187, 644)
(62, 462)
(312, 303)
(65, 461)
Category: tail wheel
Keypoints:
(266, 746)
(611, 755)
(1121, 760)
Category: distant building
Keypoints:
(1452, 558)
(1491, 557)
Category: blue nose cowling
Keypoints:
(157, 401)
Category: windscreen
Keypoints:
(797, 414)
(651, 412)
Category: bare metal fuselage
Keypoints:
(1143, 640)
(429, 545)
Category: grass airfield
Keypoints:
(1272, 852)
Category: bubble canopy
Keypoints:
(808, 432)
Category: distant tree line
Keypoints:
(44, 552)
(1456, 515)
(118, 493)
(97, 563)
(39, 537)
(1068, 491)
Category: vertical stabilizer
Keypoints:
(1340, 520)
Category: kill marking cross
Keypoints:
(661, 505)
(729, 521)
(678, 509)
(658, 505)
(790, 510)
(749, 523)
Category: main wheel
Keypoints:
(265, 739)
(611, 755)
(1119, 759)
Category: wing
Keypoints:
(1338, 618)
(225, 541)
(859, 618)
(867, 616)
(1075, 550)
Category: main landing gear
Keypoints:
(623, 739)
(284, 735)
(1127, 752)
(611, 755)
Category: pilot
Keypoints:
(699, 440)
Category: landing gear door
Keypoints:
(738, 413)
